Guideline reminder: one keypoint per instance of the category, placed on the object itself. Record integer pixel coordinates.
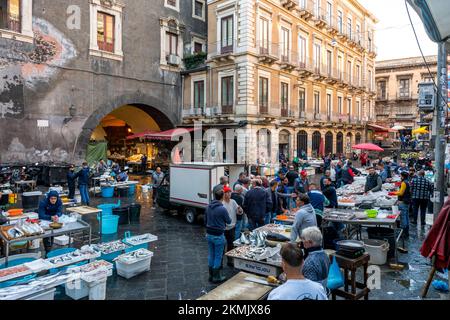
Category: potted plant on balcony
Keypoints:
(195, 60)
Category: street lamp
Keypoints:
(434, 15)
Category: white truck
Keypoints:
(188, 186)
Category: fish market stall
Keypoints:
(259, 251)
(33, 230)
(243, 286)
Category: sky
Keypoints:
(394, 36)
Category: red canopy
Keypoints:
(167, 135)
(437, 242)
(368, 147)
(140, 135)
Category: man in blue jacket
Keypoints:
(257, 204)
(71, 181)
(50, 209)
(216, 220)
(83, 183)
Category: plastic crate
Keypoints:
(48, 295)
(77, 293)
(129, 271)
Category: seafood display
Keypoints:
(141, 239)
(72, 257)
(255, 238)
(13, 272)
(95, 266)
(135, 256)
(358, 187)
(386, 201)
(340, 215)
(271, 255)
(110, 247)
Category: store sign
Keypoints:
(43, 123)
(257, 268)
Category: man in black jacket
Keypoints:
(216, 220)
(71, 181)
(257, 204)
(329, 191)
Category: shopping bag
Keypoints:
(335, 278)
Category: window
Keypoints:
(317, 8)
(329, 105)
(317, 57)
(404, 86)
(340, 22)
(264, 24)
(301, 100)
(349, 71)
(329, 62)
(227, 89)
(105, 32)
(358, 110)
(358, 34)
(199, 94)
(263, 95)
(339, 66)
(227, 34)
(358, 75)
(171, 43)
(316, 102)
(340, 105)
(172, 4)
(198, 47)
(370, 80)
(369, 40)
(381, 90)
(198, 9)
(284, 99)
(349, 27)
(302, 51)
(349, 107)
(329, 12)
(285, 44)
(10, 18)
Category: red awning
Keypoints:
(378, 128)
(140, 135)
(167, 135)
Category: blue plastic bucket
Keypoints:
(107, 208)
(132, 190)
(107, 192)
(110, 224)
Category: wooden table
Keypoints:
(85, 210)
(237, 288)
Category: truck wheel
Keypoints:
(190, 215)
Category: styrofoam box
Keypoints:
(62, 240)
(77, 293)
(97, 291)
(129, 271)
(47, 295)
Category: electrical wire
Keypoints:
(423, 56)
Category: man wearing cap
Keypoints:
(223, 183)
(302, 183)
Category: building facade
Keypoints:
(302, 70)
(397, 84)
(66, 67)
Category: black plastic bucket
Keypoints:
(387, 234)
(122, 192)
(30, 200)
(135, 213)
(124, 215)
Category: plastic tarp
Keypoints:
(96, 152)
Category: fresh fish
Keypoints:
(244, 239)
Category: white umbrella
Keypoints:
(398, 128)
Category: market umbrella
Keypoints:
(398, 128)
(367, 147)
(422, 130)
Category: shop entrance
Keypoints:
(111, 137)
(284, 145)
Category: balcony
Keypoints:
(305, 68)
(382, 97)
(192, 112)
(404, 96)
(267, 52)
(289, 4)
(288, 59)
(195, 61)
(321, 18)
(405, 116)
(332, 26)
(342, 78)
(219, 52)
(306, 9)
(373, 50)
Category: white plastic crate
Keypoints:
(77, 289)
(62, 240)
(131, 270)
(47, 295)
(97, 290)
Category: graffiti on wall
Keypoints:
(17, 152)
(26, 69)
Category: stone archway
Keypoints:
(154, 107)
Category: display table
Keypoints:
(237, 288)
(84, 211)
(68, 229)
(263, 268)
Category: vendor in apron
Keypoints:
(50, 209)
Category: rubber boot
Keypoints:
(217, 276)
(210, 274)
